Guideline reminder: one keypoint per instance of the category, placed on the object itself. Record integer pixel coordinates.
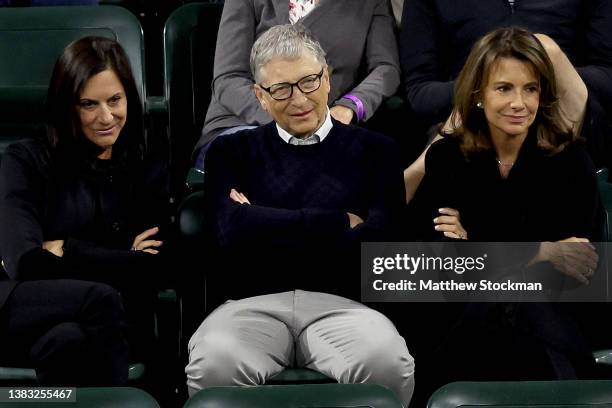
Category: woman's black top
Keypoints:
(544, 198)
(96, 207)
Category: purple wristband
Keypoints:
(358, 105)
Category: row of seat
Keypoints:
(595, 393)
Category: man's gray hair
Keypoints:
(284, 41)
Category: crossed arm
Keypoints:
(28, 255)
(238, 219)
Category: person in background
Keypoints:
(361, 49)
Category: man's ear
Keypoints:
(326, 76)
(260, 97)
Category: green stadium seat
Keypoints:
(296, 396)
(27, 376)
(545, 394)
(33, 38)
(299, 376)
(605, 191)
(190, 35)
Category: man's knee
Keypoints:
(217, 358)
(381, 348)
(384, 358)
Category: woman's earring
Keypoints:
(479, 104)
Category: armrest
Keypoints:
(195, 179)
(156, 105)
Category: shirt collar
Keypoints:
(322, 131)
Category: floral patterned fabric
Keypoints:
(300, 8)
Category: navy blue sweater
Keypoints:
(296, 233)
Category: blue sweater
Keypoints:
(296, 233)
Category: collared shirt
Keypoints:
(317, 137)
(299, 9)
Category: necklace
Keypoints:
(510, 164)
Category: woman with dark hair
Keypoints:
(84, 205)
(509, 169)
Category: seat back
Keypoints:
(32, 38)
(190, 35)
(294, 396)
(579, 393)
(605, 192)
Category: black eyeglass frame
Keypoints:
(294, 84)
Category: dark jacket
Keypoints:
(545, 197)
(96, 208)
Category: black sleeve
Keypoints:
(578, 204)
(149, 207)
(22, 193)
(443, 161)
(386, 195)
(421, 47)
(23, 186)
(596, 72)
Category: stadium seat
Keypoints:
(27, 376)
(605, 191)
(296, 396)
(33, 38)
(190, 36)
(570, 393)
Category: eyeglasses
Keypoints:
(284, 90)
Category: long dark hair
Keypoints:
(469, 121)
(81, 60)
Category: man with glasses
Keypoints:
(361, 47)
(288, 204)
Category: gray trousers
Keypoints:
(247, 341)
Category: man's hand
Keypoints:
(144, 244)
(354, 220)
(55, 247)
(575, 257)
(342, 114)
(239, 197)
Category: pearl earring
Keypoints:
(479, 104)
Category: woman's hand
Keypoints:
(342, 114)
(354, 220)
(55, 247)
(574, 257)
(238, 197)
(449, 223)
(144, 244)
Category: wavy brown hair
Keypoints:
(469, 122)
